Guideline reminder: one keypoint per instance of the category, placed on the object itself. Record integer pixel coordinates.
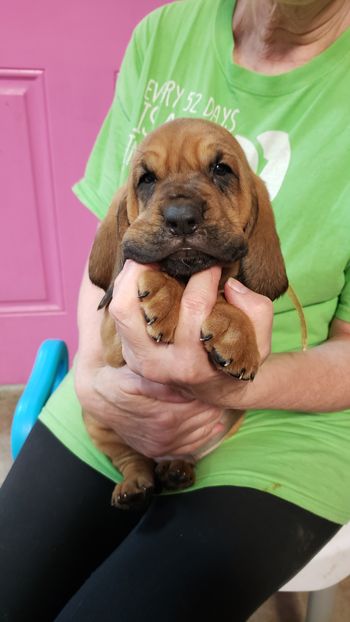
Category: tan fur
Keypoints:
(235, 230)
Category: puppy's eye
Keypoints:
(221, 169)
(147, 178)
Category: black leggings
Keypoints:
(217, 553)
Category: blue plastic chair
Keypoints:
(50, 367)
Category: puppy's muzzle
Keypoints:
(183, 219)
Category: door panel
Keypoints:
(58, 63)
(30, 275)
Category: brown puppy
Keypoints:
(191, 202)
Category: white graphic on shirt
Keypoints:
(276, 152)
(167, 101)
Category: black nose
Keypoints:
(183, 219)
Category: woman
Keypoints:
(266, 500)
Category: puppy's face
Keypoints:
(191, 202)
(190, 199)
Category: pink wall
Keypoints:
(58, 66)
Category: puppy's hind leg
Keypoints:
(137, 487)
(175, 474)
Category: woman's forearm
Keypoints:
(313, 381)
(89, 324)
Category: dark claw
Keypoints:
(142, 295)
(158, 339)
(106, 299)
(205, 337)
(218, 359)
(149, 321)
(241, 376)
(252, 376)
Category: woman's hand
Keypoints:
(185, 363)
(167, 400)
(153, 418)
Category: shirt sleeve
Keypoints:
(343, 308)
(103, 171)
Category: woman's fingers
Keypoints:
(258, 308)
(155, 427)
(125, 305)
(198, 299)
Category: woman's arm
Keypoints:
(314, 381)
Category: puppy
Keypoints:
(191, 202)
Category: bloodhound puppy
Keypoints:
(191, 202)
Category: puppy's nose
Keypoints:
(182, 219)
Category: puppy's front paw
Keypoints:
(160, 297)
(229, 338)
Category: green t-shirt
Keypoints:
(295, 130)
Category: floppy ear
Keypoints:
(106, 259)
(263, 269)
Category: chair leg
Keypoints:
(321, 604)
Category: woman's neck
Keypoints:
(273, 37)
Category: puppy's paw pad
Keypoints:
(160, 329)
(231, 345)
(175, 474)
(132, 494)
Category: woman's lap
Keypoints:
(213, 552)
(56, 526)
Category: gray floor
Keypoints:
(283, 607)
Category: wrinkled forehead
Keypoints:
(176, 147)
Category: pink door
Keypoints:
(58, 64)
